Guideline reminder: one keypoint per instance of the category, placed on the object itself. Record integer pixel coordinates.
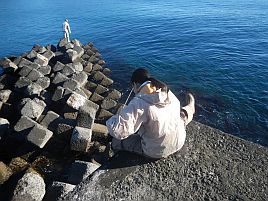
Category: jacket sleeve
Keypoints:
(128, 120)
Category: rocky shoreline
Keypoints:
(54, 102)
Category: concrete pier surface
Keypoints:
(212, 165)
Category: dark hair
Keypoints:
(141, 75)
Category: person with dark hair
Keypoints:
(153, 123)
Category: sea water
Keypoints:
(216, 49)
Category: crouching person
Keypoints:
(153, 123)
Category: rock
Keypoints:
(45, 70)
(89, 52)
(4, 126)
(81, 78)
(62, 43)
(71, 55)
(93, 59)
(59, 79)
(94, 49)
(64, 130)
(58, 190)
(86, 116)
(24, 125)
(30, 187)
(33, 109)
(51, 120)
(22, 84)
(108, 103)
(76, 101)
(99, 131)
(25, 62)
(101, 89)
(79, 50)
(58, 66)
(4, 95)
(32, 54)
(48, 54)
(88, 68)
(41, 50)
(5, 172)
(71, 84)
(51, 48)
(78, 66)
(33, 89)
(18, 164)
(80, 170)
(69, 46)
(76, 43)
(114, 94)
(96, 98)
(69, 113)
(90, 86)
(25, 70)
(97, 55)
(41, 60)
(101, 62)
(98, 76)
(85, 57)
(81, 138)
(17, 60)
(81, 92)
(58, 94)
(97, 67)
(34, 75)
(104, 114)
(68, 70)
(106, 81)
(106, 71)
(36, 47)
(44, 82)
(39, 135)
(10, 67)
(87, 92)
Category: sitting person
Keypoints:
(153, 123)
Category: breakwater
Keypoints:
(54, 102)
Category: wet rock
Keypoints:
(39, 135)
(30, 187)
(76, 101)
(41, 60)
(4, 95)
(51, 120)
(58, 190)
(85, 57)
(5, 172)
(59, 79)
(80, 170)
(58, 66)
(81, 138)
(108, 104)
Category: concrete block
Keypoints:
(68, 70)
(76, 101)
(59, 79)
(51, 47)
(44, 82)
(81, 78)
(64, 130)
(34, 75)
(101, 89)
(81, 92)
(58, 94)
(98, 76)
(97, 67)
(81, 138)
(48, 54)
(106, 71)
(17, 60)
(108, 104)
(58, 190)
(51, 120)
(101, 62)
(5, 172)
(58, 67)
(106, 81)
(80, 170)
(76, 42)
(39, 135)
(69, 113)
(96, 98)
(71, 55)
(10, 67)
(62, 43)
(33, 89)
(93, 59)
(4, 95)
(114, 94)
(30, 187)
(22, 84)
(99, 131)
(33, 109)
(69, 46)
(78, 66)
(71, 84)
(4, 126)
(41, 49)
(18, 164)
(86, 116)
(24, 125)
(25, 62)
(79, 50)
(87, 92)
(90, 86)
(41, 60)
(31, 55)
(104, 114)
(25, 70)
(85, 57)
(89, 52)
(36, 47)
(88, 68)
(45, 70)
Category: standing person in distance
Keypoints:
(66, 29)
(153, 123)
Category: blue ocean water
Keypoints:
(216, 49)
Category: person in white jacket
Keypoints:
(66, 29)
(153, 123)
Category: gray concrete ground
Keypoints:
(212, 165)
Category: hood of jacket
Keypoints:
(159, 97)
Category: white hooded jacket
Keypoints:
(156, 118)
